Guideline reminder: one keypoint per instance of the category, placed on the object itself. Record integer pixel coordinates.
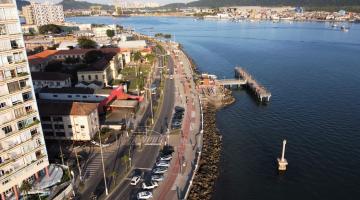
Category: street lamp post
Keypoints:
(103, 166)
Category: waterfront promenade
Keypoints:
(190, 141)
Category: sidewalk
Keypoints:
(180, 172)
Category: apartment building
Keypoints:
(69, 120)
(22, 148)
(43, 13)
(50, 80)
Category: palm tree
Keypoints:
(114, 174)
(25, 187)
(125, 160)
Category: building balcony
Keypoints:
(6, 1)
(11, 178)
(16, 133)
(20, 144)
(21, 155)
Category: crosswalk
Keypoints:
(95, 164)
(154, 140)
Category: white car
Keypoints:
(159, 170)
(166, 158)
(162, 164)
(144, 195)
(171, 77)
(157, 178)
(135, 180)
(149, 185)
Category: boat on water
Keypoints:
(344, 29)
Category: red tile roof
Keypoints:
(48, 108)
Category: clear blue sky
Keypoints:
(162, 2)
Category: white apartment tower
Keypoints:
(23, 153)
(43, 13)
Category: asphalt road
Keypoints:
(146, 158)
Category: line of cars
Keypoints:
(177, 117)
(157, 174)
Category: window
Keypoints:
(77, 95)
(19, 112)
(2, 105)
(69, 126)
(57, 119)
(28, 109)
(13, 87)
(60, 134)
(55, 95)
(69, 96)
(57, 83)
(7, 129)
(83, 77)
(96, 77)
(82, 126)
(2, 29)
(14, 44)
(89, 77)
(47, 126)
(59, 126)
(84, 97)
(48, 133)
(43, 118)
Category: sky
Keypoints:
(162, 2)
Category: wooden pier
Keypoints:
(243, 78)
(259, 90)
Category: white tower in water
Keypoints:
(282, 161)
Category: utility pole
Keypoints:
(78, 164)
(103, 166)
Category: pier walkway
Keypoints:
(243, 78)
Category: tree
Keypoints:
(25, 187)
(125, 160)
(93, 56)
(50, 28)
(86, 43)
(150, 58)
(54, 66)
(110, 33)
(137, 56)
(114, 175)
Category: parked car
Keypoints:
(157, 177)
(166, 157)
(159, 170)
(171, 77)
(162, 164)
(149, 185)
(144, 195)
(179, 109)
(135, 180)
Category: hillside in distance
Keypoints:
(72, 4)
(307, 3)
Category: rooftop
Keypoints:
(48, 108)
(124, 103)
(49, 76)
(75, 90)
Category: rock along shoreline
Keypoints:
(209, 166)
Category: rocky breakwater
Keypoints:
(208, 171)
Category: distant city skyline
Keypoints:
(161, 2)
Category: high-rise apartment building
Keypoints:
(43, 13)
(23, 154)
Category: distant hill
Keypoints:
(21, 3)
(72, 4)
(174, 5)
(306, 3)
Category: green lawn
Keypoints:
(136, 75)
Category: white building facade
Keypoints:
(69, 120)
(22, 147)
(44, 13)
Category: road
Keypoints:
(146, 158)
